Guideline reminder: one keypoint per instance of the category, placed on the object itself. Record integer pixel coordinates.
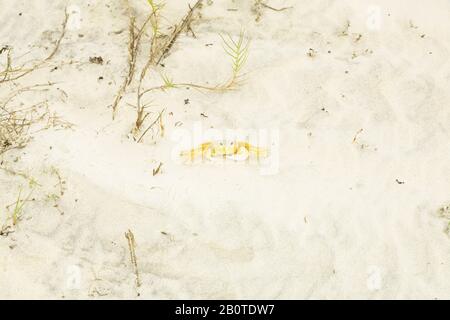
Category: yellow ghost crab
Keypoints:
(238, 150)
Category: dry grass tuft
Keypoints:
(15, 123)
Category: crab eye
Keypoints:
(232, 143)
(221, 143)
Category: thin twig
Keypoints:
(133, 50)
(158, 119)
(274, 9)
(157, 169)
(132, 247)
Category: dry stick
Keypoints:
(133, 49)
(157, 169)
(15, 125)
(132, 247)
(8, 69)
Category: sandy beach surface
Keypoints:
(350, 98)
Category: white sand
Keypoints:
(332, 222)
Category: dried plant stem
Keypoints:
(132, 248)
(5, 230)
(157, 53)
(158, 120)
(16, 122)
(238, 52)
(227, 86)
(157, 169)
(5, 75)
(35, 87)
(185, 24)
(8, 68)
(274, 9)
(134, 42)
